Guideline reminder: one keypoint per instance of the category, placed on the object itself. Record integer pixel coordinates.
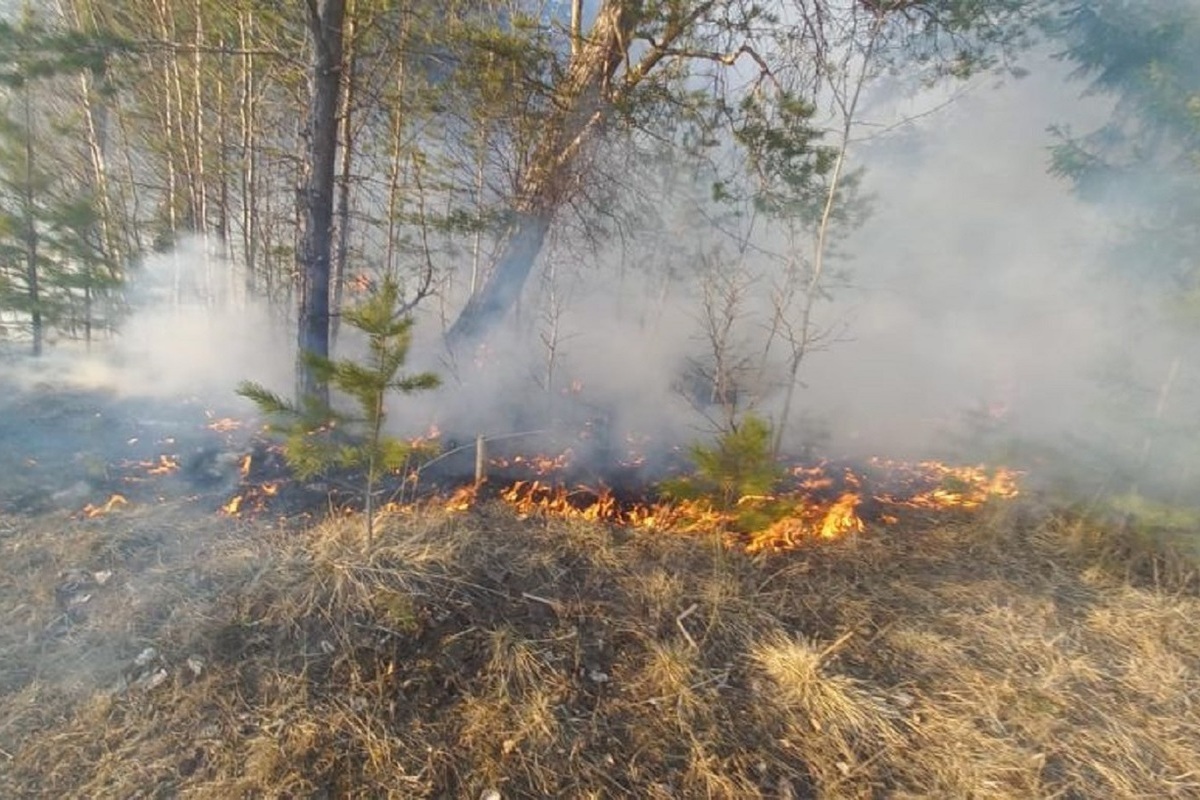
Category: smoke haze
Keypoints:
(977, 286)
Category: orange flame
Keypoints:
(113, 502)
(821, 502)
(463, 498)
(165, 466)
(842, 517)
(952, 487)
(930, 485)
(252, 498)
(539, 465)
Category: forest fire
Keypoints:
(823, 502)
(538, 464)
(251, 498)
(810, 502)
(224, 424)
(932, 484)
(138, 471)
(92, 511)
(164, 466)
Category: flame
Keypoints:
(224, 425)
(113, 502)
(949, 486)
(821, 503)
(812, 479)
(252, 498)
(842, 517)
(815, 502)
(165, 466)
(538, 464)
(463, 498)
(536, 498)
(528, 498)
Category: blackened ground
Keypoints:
(64, 447)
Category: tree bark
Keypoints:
(325, 19)
(581, 102)
(342, 250)
(249, 177)
(30, 234)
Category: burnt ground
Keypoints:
(163, 649)
(63, 447)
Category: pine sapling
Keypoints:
(737, 473)
(318, 438)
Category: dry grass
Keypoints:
(1009, 654)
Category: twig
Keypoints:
(828, 651)
(554, 604)
(679, 622)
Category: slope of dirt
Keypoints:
(158, 652)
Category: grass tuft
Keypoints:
(1011, 655)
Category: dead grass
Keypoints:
(1008, 654)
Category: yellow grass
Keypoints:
(1011, 653)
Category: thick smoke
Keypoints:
(979, 278)
(190, 330)
(987, 298)
(978, 305)
(979, 313)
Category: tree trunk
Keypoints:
(29, 214)
(325, 19)
(500, 292)
(199, 167)
(249, 177)
(96, 121)
(582, 102)
(342, 252)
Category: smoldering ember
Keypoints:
(599, 399)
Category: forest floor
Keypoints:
(162, 649)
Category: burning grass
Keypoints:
(1004, 653)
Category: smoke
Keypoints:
(987, 298)
(979, 279)
(190, 330)
(193, 330)
(978, 312)
(980, 318)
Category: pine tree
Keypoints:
(318, 437)
(54, 264)
(737, 474)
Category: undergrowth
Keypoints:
(1002, 655)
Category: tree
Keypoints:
(318, 438)
(640, 62)
(478, 125)
(48, 225)
(1144, 162)
(1143, 167)
(326, 20)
